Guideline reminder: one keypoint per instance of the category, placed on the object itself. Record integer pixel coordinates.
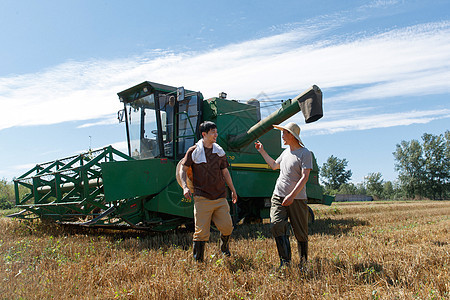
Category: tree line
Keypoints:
(423, 167)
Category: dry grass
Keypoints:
(379, 250)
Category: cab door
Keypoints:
(188, 119)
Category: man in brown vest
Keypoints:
(210, 173)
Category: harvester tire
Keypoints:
(310, 215)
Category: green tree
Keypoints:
(436, 164)
(361, 189)
(334, 173)
(374, 185)
(6, 194)
(348, 189)
(388, 190)
(409, 164)
(424, 169)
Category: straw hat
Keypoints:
(293, 128)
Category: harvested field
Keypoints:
(364, 250)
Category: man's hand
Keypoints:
(183, 179)
(234, 197)
(288, 200)
(298, 187)
(187, 193)
(269, 160)
(229, 181)
(259, 146)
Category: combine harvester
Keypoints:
(139, 190)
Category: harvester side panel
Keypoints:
(123, 180)
(171, 201)
(254, 182)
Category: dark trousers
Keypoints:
(296, 213)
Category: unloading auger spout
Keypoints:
(308, 102)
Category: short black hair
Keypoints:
(207, 126)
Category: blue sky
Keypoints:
(383, 67)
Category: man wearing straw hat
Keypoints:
(289, 197)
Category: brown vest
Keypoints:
(208, 178)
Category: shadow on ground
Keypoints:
(181, 237)
(335, 226)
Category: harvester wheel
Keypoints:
(310, 215)
(190, 226)
(249, 209)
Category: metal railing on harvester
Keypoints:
(68, 189)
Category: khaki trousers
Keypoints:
(297, 213)
(205, 211)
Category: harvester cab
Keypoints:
(160, 120)
(108, 188)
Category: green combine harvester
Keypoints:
(139, 190)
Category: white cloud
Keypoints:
(429, 82)
(381, 3)
(22, 168)
(373, 121)
(406, 61)
(121, 146)
(17, 170)
(110, 120)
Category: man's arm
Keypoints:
(289, 199)
(229, 181)
(183, 179)
(269, 160)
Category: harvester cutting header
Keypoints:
(139, 190)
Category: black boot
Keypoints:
(224, 245)
(198, 250)
(303, 251)
(284, 250)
